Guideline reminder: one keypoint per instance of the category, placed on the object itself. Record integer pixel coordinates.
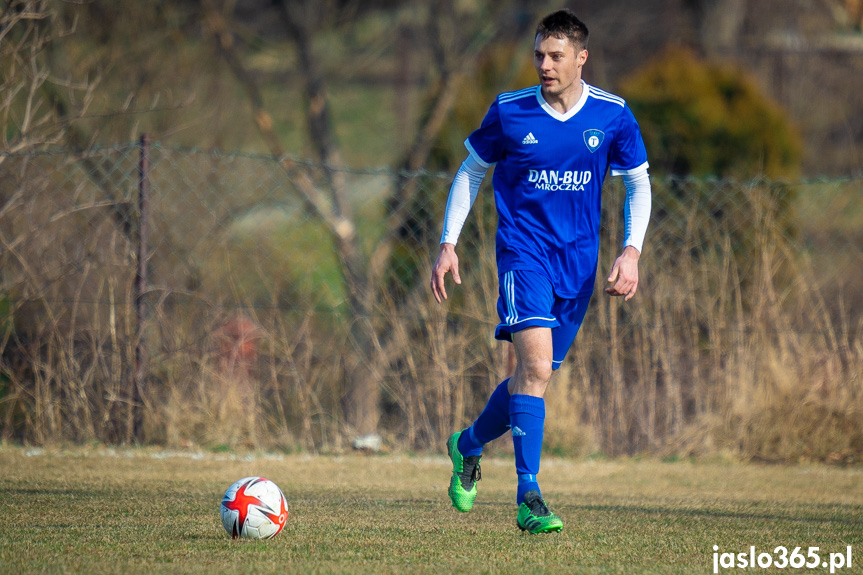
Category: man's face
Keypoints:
(558, 65)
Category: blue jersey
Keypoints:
(548, 179)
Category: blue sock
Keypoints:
(491, 423)
(527, 416)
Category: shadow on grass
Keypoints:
(85, 493)
(855, 511)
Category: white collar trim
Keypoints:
(571, 112)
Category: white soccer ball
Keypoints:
(254, 508)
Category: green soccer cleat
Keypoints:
(535, 517)
(465, 474)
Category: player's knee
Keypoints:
(537, 369)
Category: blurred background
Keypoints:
(217, 221)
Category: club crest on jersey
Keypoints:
(593, 139)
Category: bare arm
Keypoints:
(623, 279)
(447, 261)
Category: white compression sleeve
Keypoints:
(636, 211)
(462, 194)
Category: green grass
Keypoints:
(140, 511)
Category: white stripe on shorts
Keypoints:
(511, 317)
(509, 289)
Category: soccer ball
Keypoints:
(254, 508)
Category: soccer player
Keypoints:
(551, 146)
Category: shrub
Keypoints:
(708, 119)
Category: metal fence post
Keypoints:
(137, 403)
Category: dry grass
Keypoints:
(744, 341)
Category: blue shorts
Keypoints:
(527, 299)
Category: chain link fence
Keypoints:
(194, 298)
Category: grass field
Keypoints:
(142, 511)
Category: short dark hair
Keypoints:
(564, 24)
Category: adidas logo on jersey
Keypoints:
(518, 432)
(529, 139)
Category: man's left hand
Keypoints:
(623, 279)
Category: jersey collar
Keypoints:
(572, 111)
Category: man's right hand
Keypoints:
(446, 261)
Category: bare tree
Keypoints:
(455, 41)
(44, 104)
(28, 117)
